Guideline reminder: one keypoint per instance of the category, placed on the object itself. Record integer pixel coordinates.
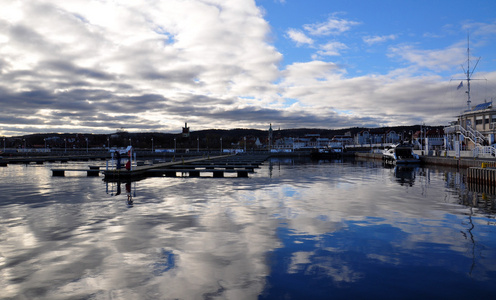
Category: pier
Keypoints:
(218, 166)
(242, 165)
(478, 171)
(43, 159)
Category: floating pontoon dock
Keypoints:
(242, 165)
(43, 159)
(218, 166)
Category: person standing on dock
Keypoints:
(130, 157)
(118, 160)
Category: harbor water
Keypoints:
(292, 230)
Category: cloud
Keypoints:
(132, 59)
(479, 28)
(396, 98)
(330, 49)
(97, 66)
(333, 26)
(379, 39)
(298, 73)
(435, 60)
(299, 37)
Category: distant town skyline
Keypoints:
(151, 66)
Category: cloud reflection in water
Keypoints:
(291, 229)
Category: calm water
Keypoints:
(291, 231)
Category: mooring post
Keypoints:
(58, 173)
(242, 173)
(218, 174)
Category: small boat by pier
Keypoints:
(400, 154)
(326, 152)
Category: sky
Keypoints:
(98, 66)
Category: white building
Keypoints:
(473, 131)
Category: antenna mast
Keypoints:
(468, 72)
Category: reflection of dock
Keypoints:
(480, 196)
(482, 188)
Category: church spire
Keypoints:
(270, 137)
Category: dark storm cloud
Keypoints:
(28, 99)
(12, 76)
(28, 37)
(197, 105)
(249, 114)
(12, 120)
(289, 119)
(182, 76)
(129, 121)
(69, 69)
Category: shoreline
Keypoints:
(462, 162)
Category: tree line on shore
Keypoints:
(203, 139)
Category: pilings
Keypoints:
(482, 176)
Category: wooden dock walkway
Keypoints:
(218, 166)
(242, 165)
(39, 160)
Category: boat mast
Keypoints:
(468, 72)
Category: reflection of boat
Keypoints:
(405, 174)
(400, 154)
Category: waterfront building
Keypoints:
(345, 139)
(481, 118)
(309, 141)
(185, 133)
(392, 137)
(367, 137)
(474, 131)
(427, 139)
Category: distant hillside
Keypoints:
(210, 138)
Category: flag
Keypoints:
(460, 85)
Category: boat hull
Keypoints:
(400, 155)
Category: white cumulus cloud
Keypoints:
(299, 37)
(332, 26)
(379, 39)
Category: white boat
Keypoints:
(400, 154)
(332, 151)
